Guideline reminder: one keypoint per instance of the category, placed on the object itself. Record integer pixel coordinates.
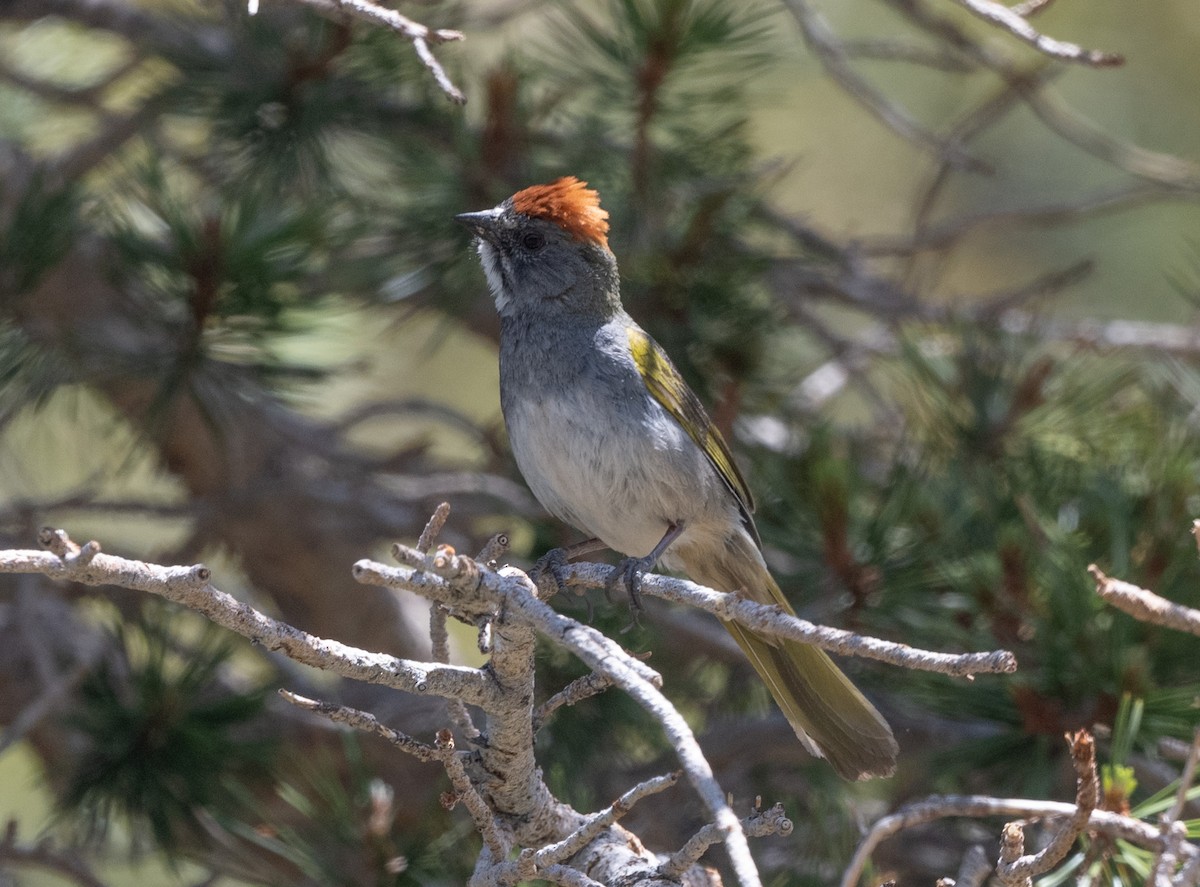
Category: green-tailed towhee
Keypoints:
(611, 440)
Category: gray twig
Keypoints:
(190, 587)
(772, 620)
(597, 822)
(578, 690)
(758, 824)
(1145, 605)
(439, 638)
(1014, 22)
(1173, 829)
(416, 33)
(1015, 869)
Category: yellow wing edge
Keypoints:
(667, 386)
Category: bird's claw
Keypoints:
(628, 573)
(548, 572)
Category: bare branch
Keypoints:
(980, 806)
(438, 636)
(1174, 830)
(597, 822)
(772, 620)
(416, 33)
(442, 751)
(758, 824)
(578, 690)
(1018, 870)
(896, 51)
(975, 868)
(366, 722)
(433, 527)
(463, 585)
(825, 43)
(949, 232)
(464, 791)
(190, 587)
(1012, 21)
(1185, 780)
(44, 855)
(1145, 605)
(51, 697)
(1060, 118)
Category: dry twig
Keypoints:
(1013, 20)
(418, 34)
(758, 824)
(1018, 870)
(1145, 605)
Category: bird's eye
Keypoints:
(533, 240)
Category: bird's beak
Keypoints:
(481, 224)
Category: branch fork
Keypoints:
(497, 780)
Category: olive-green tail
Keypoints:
(830, 716)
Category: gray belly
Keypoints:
(620, 479)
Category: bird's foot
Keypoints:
(629, 573)
(548, 572)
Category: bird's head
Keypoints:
(546, 249)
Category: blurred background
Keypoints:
(939, 290)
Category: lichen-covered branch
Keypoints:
(1105, 822)
(190, 586)
(497, 780)
(772, 620)
(470, 590)
(758, 824)
(1018, 870)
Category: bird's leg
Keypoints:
(629, 571)
(550, 565)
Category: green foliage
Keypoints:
(972, 529)
(39, 229)
(163, 740)
(335, 823)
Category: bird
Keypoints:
(612, 441)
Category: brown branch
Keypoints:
(44, 855)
